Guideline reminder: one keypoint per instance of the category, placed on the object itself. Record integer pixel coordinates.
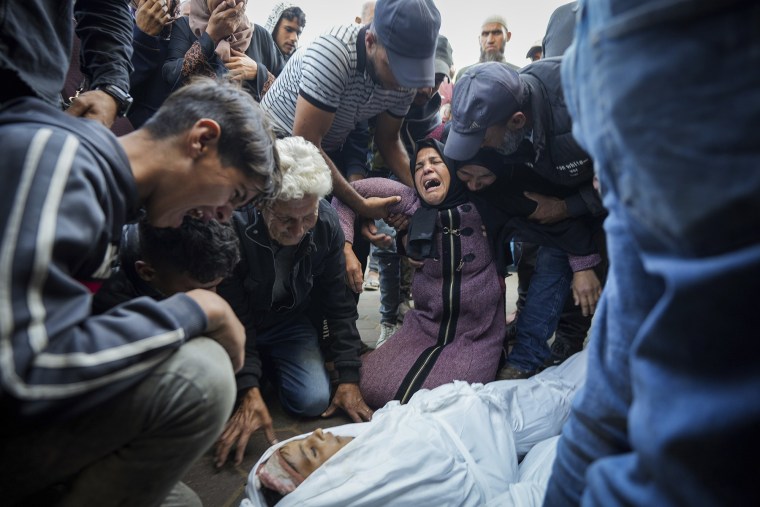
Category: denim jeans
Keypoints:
(670, 411)
(290, 350)
(132, 449)
(389, 268)
(538, 318)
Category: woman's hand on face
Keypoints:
(224, 20)
(349, 398)
(151, 17)
(241, 67)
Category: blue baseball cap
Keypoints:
(487, 94)
(408, 29)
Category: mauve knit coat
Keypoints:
(456, 329)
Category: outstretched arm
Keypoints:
(376, 187)
(312, 123)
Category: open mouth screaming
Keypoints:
(432, 183)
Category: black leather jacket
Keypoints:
(318, 278)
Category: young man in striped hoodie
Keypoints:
(113, 408)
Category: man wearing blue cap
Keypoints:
(523, 117)
(353, 73)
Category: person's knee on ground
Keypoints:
(306, 400)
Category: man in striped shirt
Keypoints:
(353, 73)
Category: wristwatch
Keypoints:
(123, 99)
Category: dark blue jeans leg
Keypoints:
(598, 426)
(300, 374)
(389, 264)
(538, 319)
(675, 147)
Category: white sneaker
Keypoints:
(386, 331)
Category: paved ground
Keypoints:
(225, 487)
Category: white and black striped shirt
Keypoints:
(330, 74)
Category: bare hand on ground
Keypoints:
(251, 415)
(349, 398)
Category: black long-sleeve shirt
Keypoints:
(36, 43)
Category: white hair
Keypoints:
(304, 170)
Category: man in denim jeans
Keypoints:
(666, 98)
(292, 274)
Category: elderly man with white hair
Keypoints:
(292, 257)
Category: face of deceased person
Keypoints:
(308, 454)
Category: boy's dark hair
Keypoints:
(246, 141)
(204, 251)
(292, 13)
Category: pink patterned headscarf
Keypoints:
(200, 12)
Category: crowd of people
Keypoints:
(196, 202)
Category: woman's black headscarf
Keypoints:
(422, 226)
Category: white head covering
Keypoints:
(496, 18)
(254, 497)
(276, 14)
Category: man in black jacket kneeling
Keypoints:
(292, 250)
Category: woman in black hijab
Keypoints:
(456, 329)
